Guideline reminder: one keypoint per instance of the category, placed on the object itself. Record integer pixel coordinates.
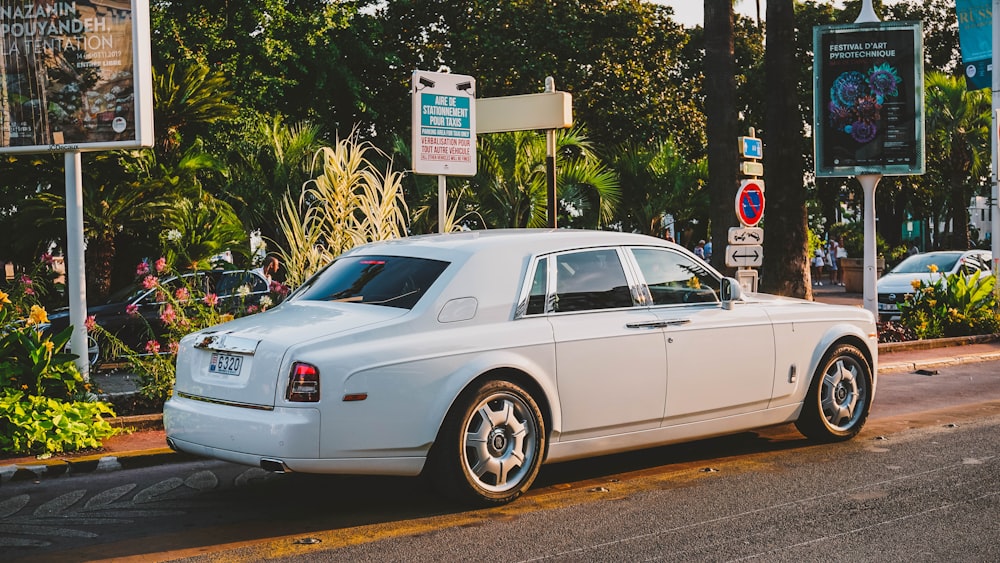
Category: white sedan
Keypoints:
(473, 358)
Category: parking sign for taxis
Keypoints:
(444, 124)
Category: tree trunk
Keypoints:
(786, 262)
(720, 110)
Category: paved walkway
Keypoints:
(145, 443)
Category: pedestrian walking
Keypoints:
(817, 267)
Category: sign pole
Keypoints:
(76, 285)
(442, 202)
(995, 188)
(550, 161)
(868, 184)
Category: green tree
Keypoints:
(658, 180)
(509, 189)
(958, 127)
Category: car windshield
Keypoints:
(126, 294)
(393, 281)
(921, 263)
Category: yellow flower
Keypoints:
(694, 282)
(225, 318)
(4, 299)
(915, 284)
(37, 316)
(48, 346)
(933, 268)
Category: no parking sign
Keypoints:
(750, 202)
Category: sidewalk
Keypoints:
(144, 442)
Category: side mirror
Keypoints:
(730, 291)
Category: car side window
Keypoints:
(590, 279)
(536, 296)
(673, 278)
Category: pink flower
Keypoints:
(211, 299)
(90, 323)
(25, 279)
(132, 309)
(278, 287)
(48, 259)
(161, 264)
(148, 282)
(173, 347)
(252, 309)
(29, 291)
(142, 269)
(182, 294)
(153, 347)
(161, 297)
(168, 315)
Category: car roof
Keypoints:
(526, 241)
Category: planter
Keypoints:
(854, 273)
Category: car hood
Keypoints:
(263, 340)
(902, 283)
(301, 321)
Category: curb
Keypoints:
(96, 463)
(909, 366)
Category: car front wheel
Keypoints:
(839, 397)
(490, 446)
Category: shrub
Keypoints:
(953, 305)
(30, 424)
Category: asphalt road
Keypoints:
(921, 483)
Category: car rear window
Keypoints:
(393, 281)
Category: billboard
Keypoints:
(868, 92)
(74, 75)
(975, 37)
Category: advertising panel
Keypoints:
(74, 75)
(975, 37)
(868, 96)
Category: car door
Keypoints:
(720, 362)
(610, 358)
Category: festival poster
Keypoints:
(69, 75)
(869, 99)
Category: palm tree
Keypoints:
(509, 189)
(658, 180)
(958, 126)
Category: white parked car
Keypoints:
(897, 283)
(475, 357)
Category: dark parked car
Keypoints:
(133, 328)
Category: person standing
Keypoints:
(817, 267)
(699, 249)
(832, 267)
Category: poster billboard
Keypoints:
(975, 37)
(74, 75)
(868, 99)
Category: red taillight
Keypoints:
(303, 384)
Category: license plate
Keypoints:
(225, 364)
(887, 307)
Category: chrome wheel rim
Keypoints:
(500, 442)
(844, 394)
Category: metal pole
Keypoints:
(550, 161)
(76, 285)
(442, 202)
(868, 184)
(995, 188)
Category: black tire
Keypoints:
(839, 397)
(490, 446)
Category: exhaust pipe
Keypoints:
(172, 445)
(274, 466)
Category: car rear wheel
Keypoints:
(490, 446)
(839, 397)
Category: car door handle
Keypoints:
(658, 324)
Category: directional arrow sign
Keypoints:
(746, 235)
(741, 255)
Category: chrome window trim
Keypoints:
(225, 403)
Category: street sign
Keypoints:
(751, 168)
(744, 255)
(751, 147)
(750, 202)
(444, 123)
(746, 235)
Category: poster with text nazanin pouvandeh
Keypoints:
(68, 73)
(869, 99)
